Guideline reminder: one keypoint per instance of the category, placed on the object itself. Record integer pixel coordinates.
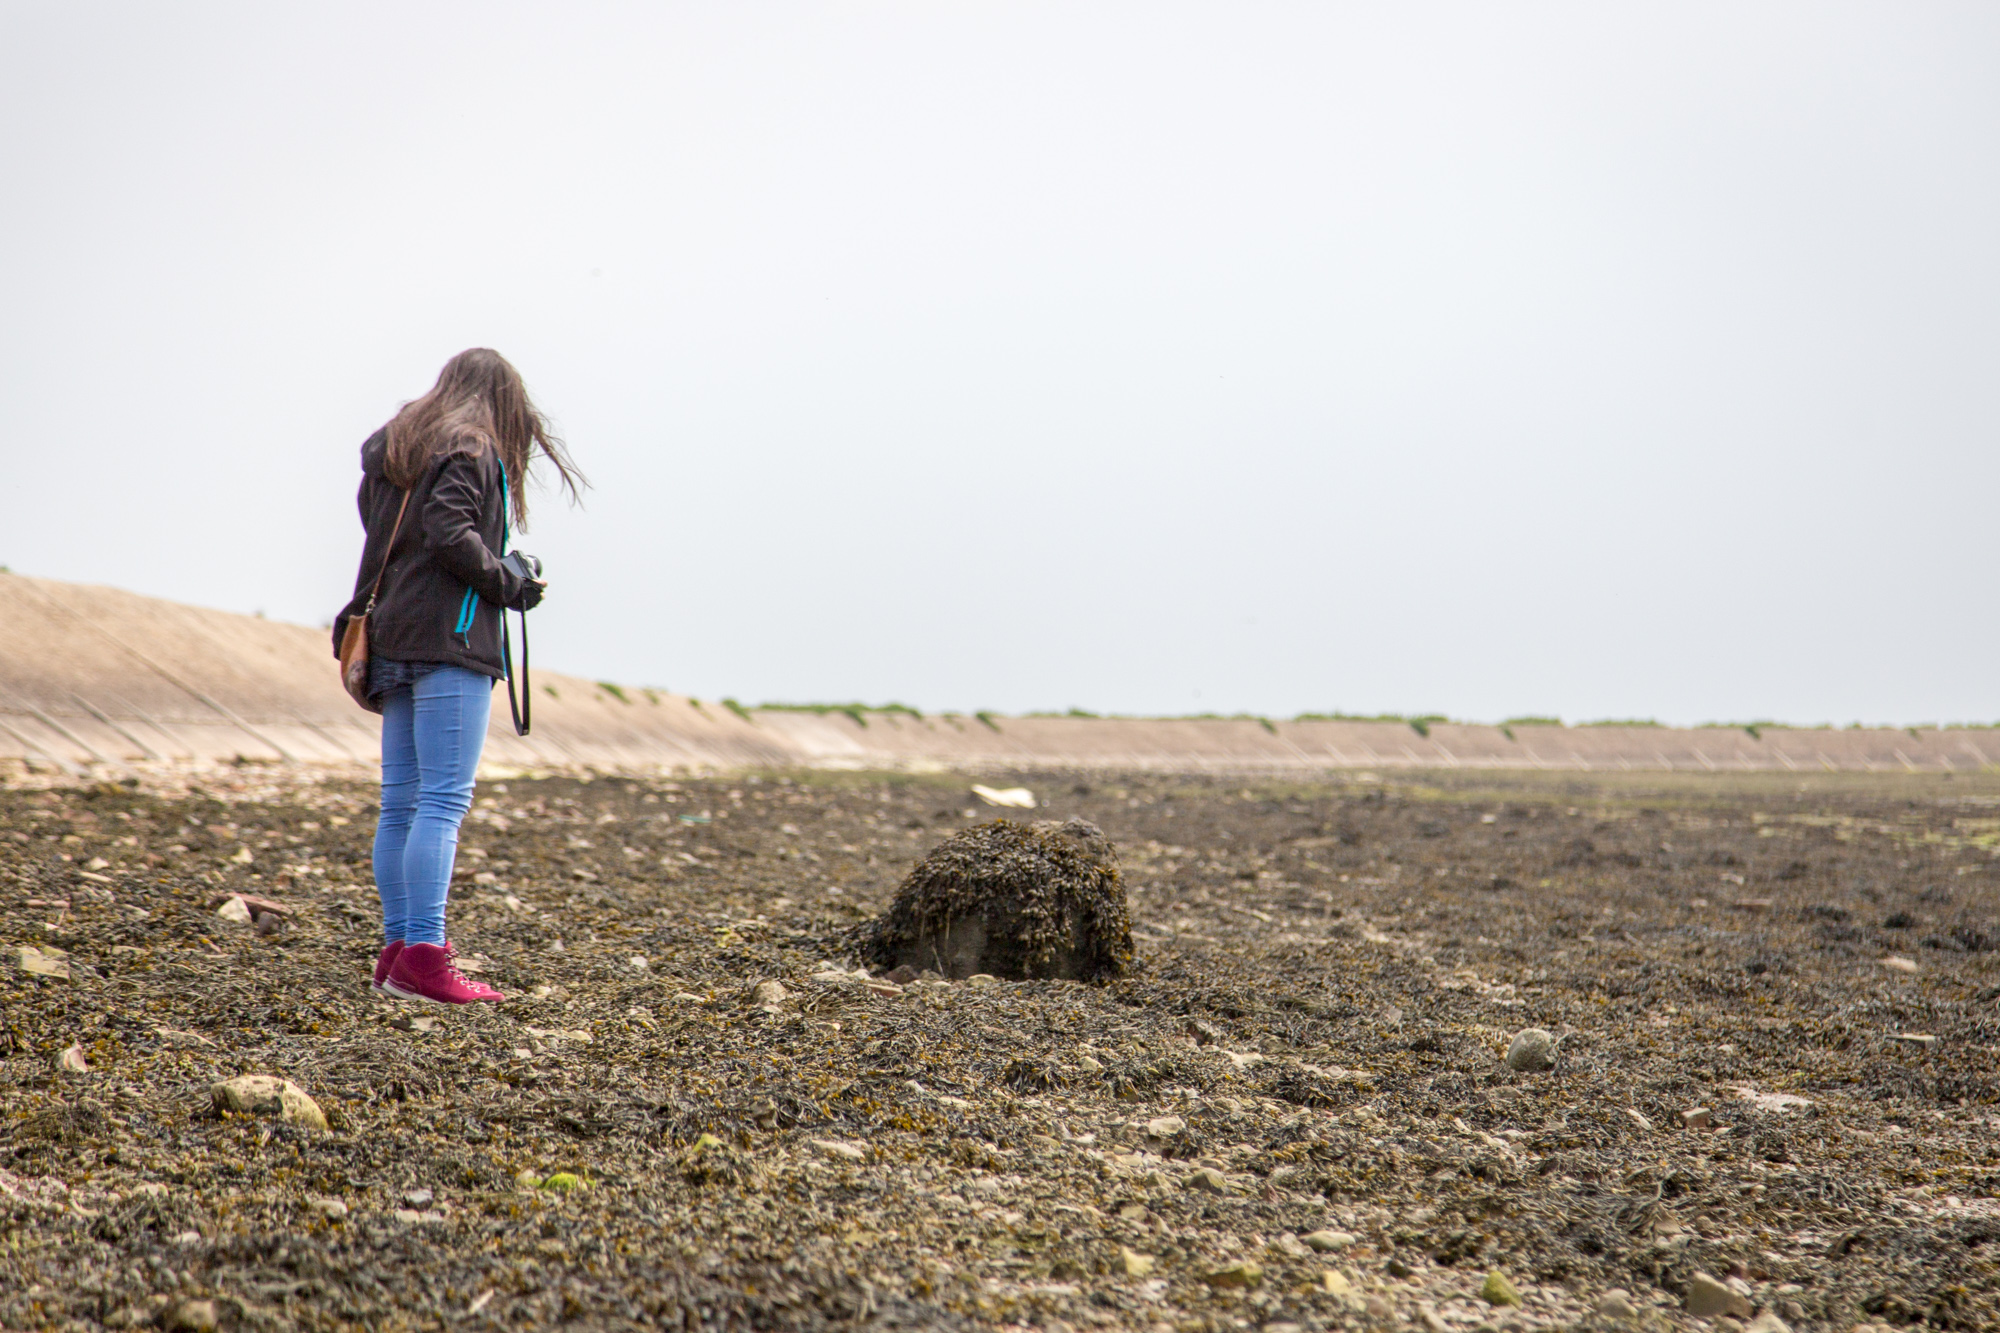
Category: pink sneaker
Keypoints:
(385, 962)
(424, 972)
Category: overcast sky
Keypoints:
(1596, 360)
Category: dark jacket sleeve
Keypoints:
(451, 531)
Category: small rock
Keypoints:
(191, 1317)
(527, 1180)
(1165, 1127)
(234, 909)
(1697, 1117)
(328, 1208)
(1398, 1268)
(1923, 1040)
(1431, 1320)
(1707, 1298)
(415, 1215)
(770, 993)
(1767, 1322)
(1208, 1180)
(43, 962)
(902, 975)
(418, 1198)
(412, 1023)
(261, 1094)
(1328, 1241)
(1379, 1308)
(1497, 1290)
(1291, 1245)
(1090, 1065)
(1728, 1324)
(1531, 1050)
(71, 1061)
(1336, 1282)
(1638, 1118)
(1241, 1273)
(639, 962)
(1616, 1304)
(243, 856)
(268, 924)
(1136, 1264)
(982, 979)
(1899, 964)
(847, 1152)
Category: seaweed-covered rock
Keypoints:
(1042, 900)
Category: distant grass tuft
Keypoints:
(739, 710)
(614, 691)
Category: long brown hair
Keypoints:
(478, 403)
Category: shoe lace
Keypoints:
(451, 965)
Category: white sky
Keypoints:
(1601, 360)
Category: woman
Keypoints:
(440, 485)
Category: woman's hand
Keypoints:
(531, 594)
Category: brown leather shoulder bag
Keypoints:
(354, 639)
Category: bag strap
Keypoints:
(377, 586)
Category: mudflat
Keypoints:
(1768, 1004)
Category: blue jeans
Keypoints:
(432, 733)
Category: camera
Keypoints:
(527, 566)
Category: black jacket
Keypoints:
(441, 598)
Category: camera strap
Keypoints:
(523, 706)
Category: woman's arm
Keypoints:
(451, 531)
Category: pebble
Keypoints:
(1497, 1290)
(1241, 1273)
(1697, 1117)
(770, 993)
(1327, 1241)
(527, 1180)
(71, 1061)
(1707, 1298)
(1208, 1180)
(1136, 1264)
(1165, 1127)
(418, 1198)
(234, 909)
(328, 1208)
(1616, 1304)
(1767, 1322)
(1531, 1050)
(50, 962)
(1089, 1065)
(1336, 1282)
(847, 1152)
(191, 1317)
(1899, 964)
(264, 1095)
